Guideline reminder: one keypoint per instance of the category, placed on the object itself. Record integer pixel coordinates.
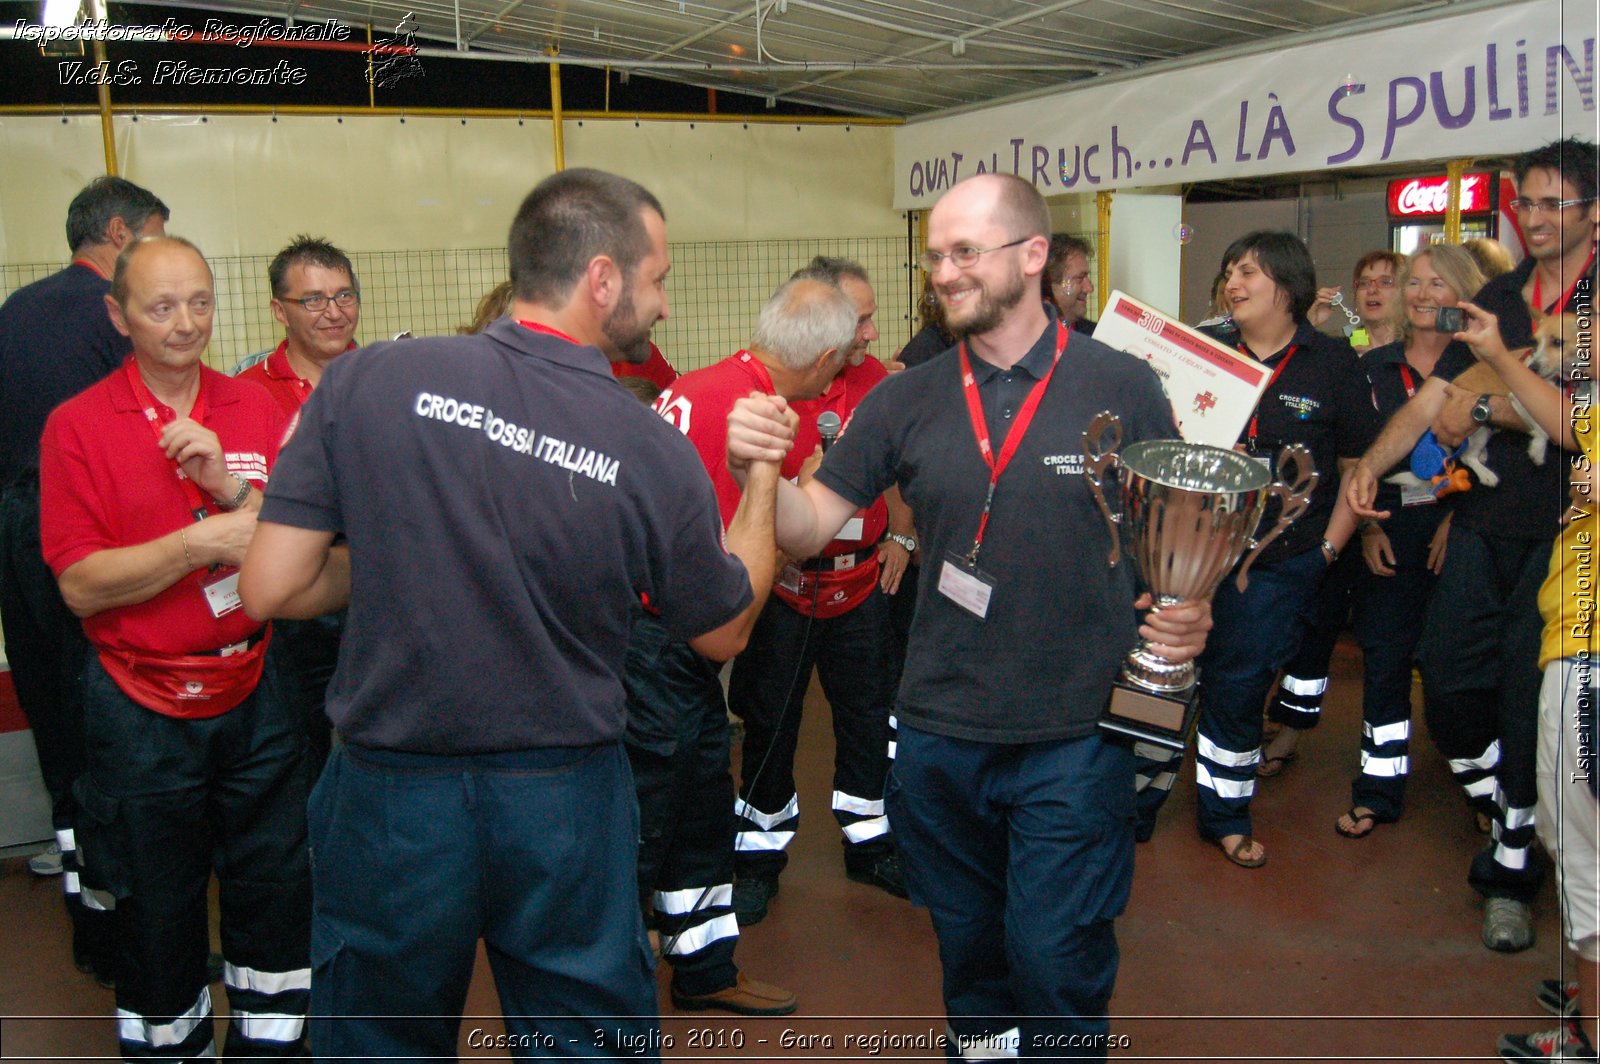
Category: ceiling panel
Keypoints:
(894, 58)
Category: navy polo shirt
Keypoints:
(1386, 368)
(506, 503)
(1040, 666)
(1530, 499)
(56, 339)
(1323, 401)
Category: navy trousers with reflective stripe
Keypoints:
(1023, 854)
(1253, 635)
(164, 801)
(677, 743)
(851, 653)
(1479, 659)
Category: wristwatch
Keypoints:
(1481, 411)
(905, 541)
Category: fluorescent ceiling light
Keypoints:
(60, 12)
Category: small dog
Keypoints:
(1556, 355)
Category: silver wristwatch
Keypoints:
(905, 541)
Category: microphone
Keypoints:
(828, 426)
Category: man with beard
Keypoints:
(1013, 818)
(507, 505)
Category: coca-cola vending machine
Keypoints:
(1416, 209)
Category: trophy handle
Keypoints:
(1295, 491)
(1100, 442)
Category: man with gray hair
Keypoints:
(677, 717)
(830, 613)
(56, 339)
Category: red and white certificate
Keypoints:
(1213, 388)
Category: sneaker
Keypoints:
(750, 897)
(1563, 1043)
(881, 870)
(46, 862)
(1556, 997)
(747, 997)
(1507, 925)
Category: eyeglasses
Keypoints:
(1547, 205)
(964, 257)
(1386, 281)
(316, 302)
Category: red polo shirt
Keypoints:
(277, 376)
(104, 483)
(698, 404)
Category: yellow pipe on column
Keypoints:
(1102, 248)
(1452, 206)
(108, 136)
(556, 132)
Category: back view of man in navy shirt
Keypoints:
(507, 505)
(56, 339)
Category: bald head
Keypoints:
(161, 246)
(1003, 200)
(162, 300)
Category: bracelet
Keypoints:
(239, 496)
(1333, 552)
(183, 538)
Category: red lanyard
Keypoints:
(1408, 380)
(86, 264)
(762, 375)
(1566, 296)
(980, 427)
(199, 505)
(1255, 418)
(547, 330)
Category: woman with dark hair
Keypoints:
(933, 338)
(1316, 396)
(1390, 591)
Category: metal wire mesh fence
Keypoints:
(715, 291)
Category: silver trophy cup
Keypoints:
(1187, 514)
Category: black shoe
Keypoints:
(750, 897)
(881, 871)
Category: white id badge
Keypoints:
(223, 595)
(1264, 459)
(1417, 495)
(852, 529)
(967, 587)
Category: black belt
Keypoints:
(246, 644)
(838, 563)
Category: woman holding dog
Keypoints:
(1403, 552)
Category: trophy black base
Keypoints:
(1165, 720)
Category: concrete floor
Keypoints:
(1335, 950)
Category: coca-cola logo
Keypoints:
(1431, 195)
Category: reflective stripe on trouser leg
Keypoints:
(1298, 703)
(1477, 777)
(182, 1037)
(759, 832)
(1385, 763)
(862, 819)
(691, 920)
(266, 1006)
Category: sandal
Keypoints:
(1356, 814)
(1272, 766)
(1233, 853)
